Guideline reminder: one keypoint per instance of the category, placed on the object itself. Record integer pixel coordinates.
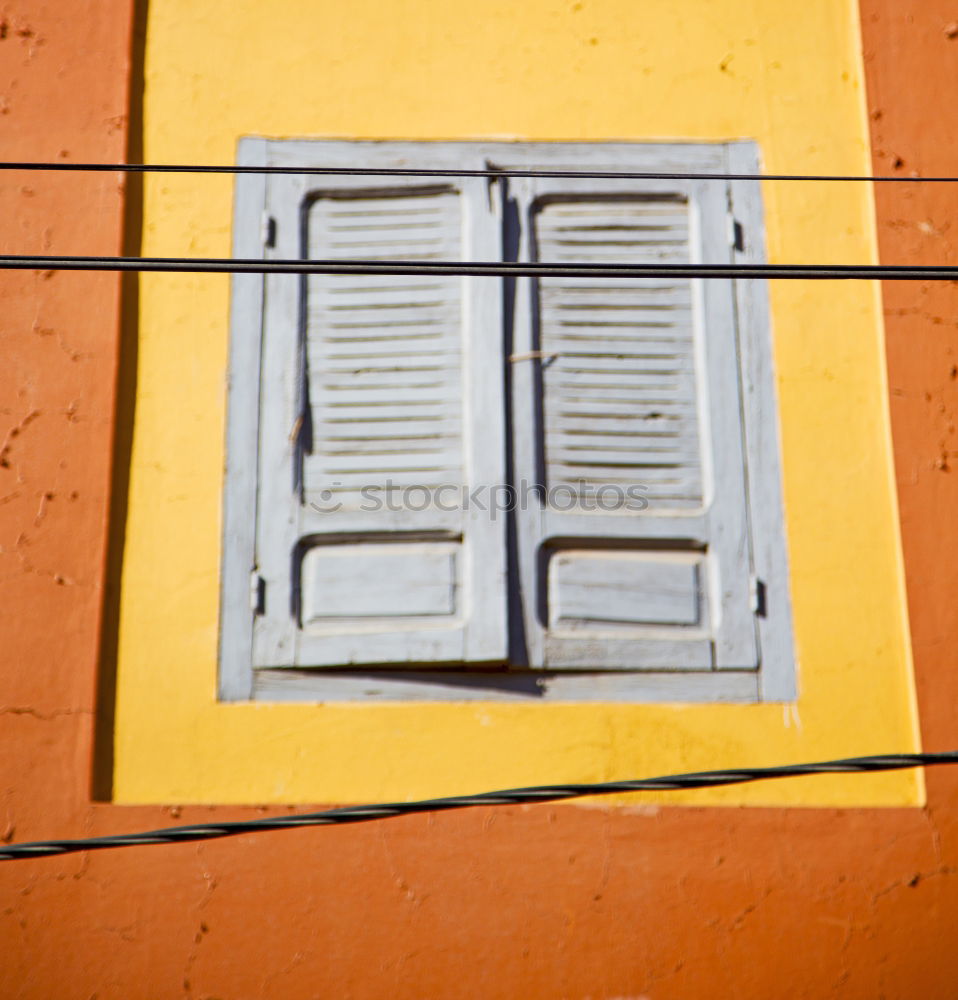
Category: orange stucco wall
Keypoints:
(539, 902)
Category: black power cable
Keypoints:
(512, 796)
(224, 265)
(492, 171)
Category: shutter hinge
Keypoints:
(758, 596)
(491, 181)
(736, 234)
(257, 593)
(268, 230)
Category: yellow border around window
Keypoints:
(703, 70)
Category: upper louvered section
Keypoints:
(384, 352)
(619, 395)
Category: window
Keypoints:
(448, 487)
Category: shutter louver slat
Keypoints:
(619, 383)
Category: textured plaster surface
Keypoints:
(540, 902)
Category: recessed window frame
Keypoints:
(774, 680)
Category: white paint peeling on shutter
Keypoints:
(619, 385)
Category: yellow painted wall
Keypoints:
(786, 75)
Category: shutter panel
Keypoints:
(637, 552)
(374, 389)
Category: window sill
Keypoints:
(522, 687)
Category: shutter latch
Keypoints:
(758, 596)
(257, 593)
(491, 180)
(268, 230)
(736, 234)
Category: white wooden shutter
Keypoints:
(636, 552)
(374, 393)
